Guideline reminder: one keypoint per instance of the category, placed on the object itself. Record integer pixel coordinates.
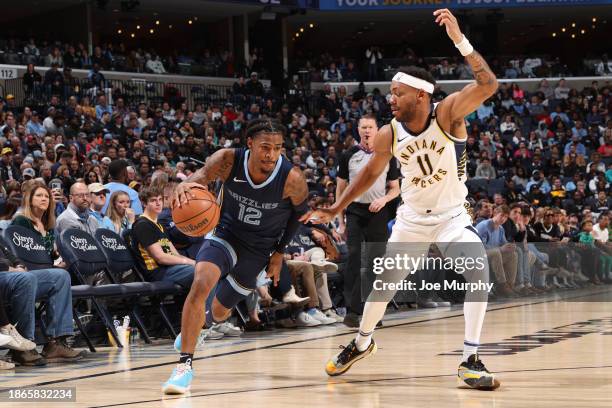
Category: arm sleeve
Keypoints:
(145, 233)
(393, 173)
(292, 226)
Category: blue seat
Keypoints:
(30, 249)
(119, 260)
(85, 259)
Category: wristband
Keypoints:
(464, 47)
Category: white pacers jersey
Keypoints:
(432, 164)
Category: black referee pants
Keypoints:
(363, 227)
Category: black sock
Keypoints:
(186, 358)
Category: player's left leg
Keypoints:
(409, 240)
(459, 241)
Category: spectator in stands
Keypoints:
(157, 255)
(96, 77)
(484, 211)
(22, 289)
(103, 107)
(97, 195)
(119, 216)
(501, 254)
(332, 74)
(485, 170)
(78, 214)
(118, 179)
(537, 179)
(373, 56)
(8, 170)
(154, 64)
(600, 230)
(561, 91)
(604, 67)
(32, 81)
(254, 87)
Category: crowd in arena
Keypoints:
(119, 57)
(539, 166)
(370, 66)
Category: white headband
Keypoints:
(414, 82)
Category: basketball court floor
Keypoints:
(548, 351)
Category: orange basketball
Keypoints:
(199, 216)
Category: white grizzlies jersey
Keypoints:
(432, 164)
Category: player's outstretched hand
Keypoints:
(319, 216)
(182, 193)
(446, 18)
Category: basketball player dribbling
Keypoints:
(429, 142)
(262, 199)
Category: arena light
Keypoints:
(594, 19)
(593, 26)
(573, 25)
(563, 29)
(170, 26)
(151, 31)
(156, 22)
(195, 19)
(119, 31)
(573, 35)
(190, 22)
(301, 29)
(297, 34)
(554, 34)
(583, 31)
(138, 27)
(133, 35)
(311, 25)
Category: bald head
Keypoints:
(79, 196)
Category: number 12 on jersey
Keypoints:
(249, 215)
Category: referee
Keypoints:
(366, 218)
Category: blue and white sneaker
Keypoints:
(199, 344)
(180, 380)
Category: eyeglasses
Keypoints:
(100, 193)
(80, 195)
(549, 215)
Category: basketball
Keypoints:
(199, 216)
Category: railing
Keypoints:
(132, 91)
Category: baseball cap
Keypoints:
(133, 184)
(59, 146)
(37, 154)
(6, 150)
(10, 96)
(29, 172)
(106, 160)
(96, 188)
(108, 136)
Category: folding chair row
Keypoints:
(86, 257)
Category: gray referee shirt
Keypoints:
(354, 160)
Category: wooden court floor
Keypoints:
(548, 351)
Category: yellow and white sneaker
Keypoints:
(475, 375)
(340, 363)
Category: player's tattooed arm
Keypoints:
(455, 107)
(218, 166)
(296, 188)
(482, 72)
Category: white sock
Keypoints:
(469, 349)
(373, 312)
(363, 340)
(474, 313)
